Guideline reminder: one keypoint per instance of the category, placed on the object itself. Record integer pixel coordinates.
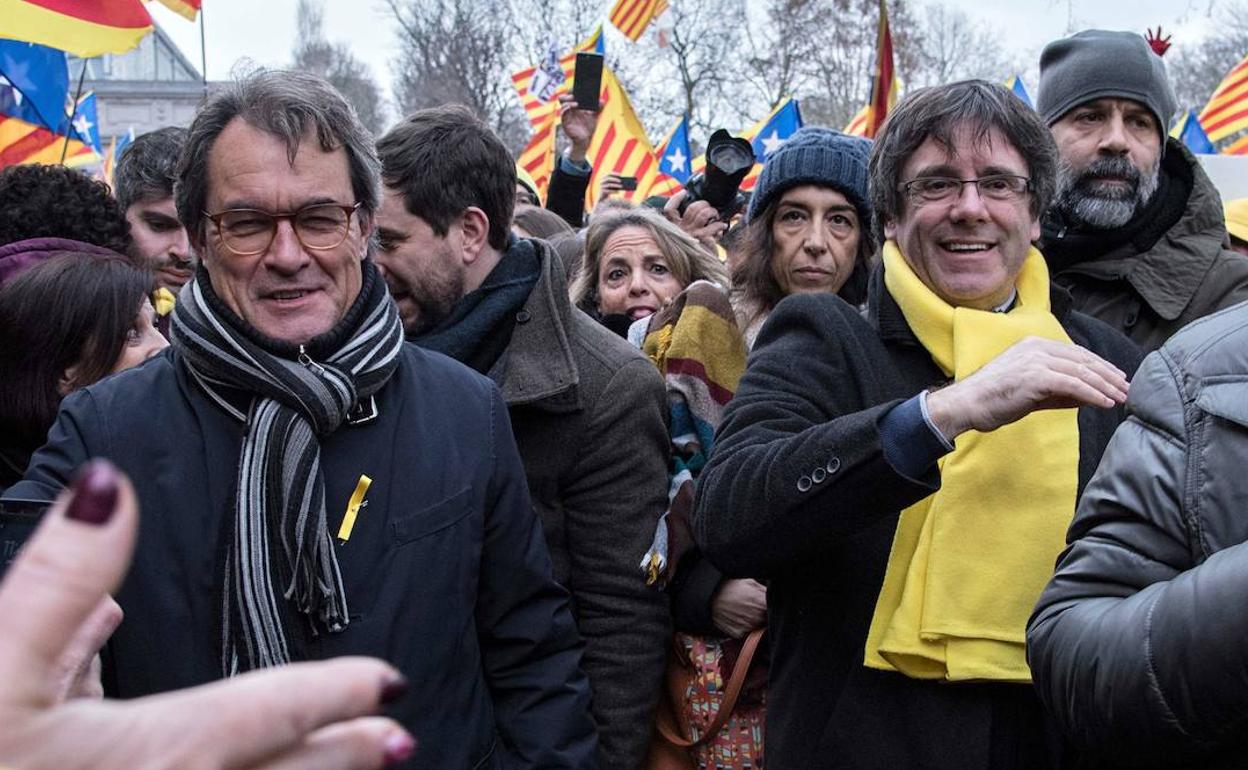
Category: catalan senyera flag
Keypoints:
(538, 157)
(884, 85)
(632, 17)
(857, 125)
(187, 8)
(22, 142)
(537, 109)
(1226, 114)
(620, 145)
(85, 28)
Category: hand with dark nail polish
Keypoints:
(293, 716)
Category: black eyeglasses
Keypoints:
(997, 187)
(319, 227)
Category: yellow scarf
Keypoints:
(969, 561)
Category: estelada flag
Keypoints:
(22, 142)
(85, 28)
(632, 17)
(1226, 114)
(187, 8)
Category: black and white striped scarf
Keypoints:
(279, 546)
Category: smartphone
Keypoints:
(587, 81)
(18, 520)
(628, 183)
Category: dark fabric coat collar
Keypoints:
(884, 314)
(1169, 274)
(538, 367)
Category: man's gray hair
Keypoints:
(145, 171)
(289, 105)
(940, 113)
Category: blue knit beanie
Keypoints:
(820, 156)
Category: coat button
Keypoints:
(803, 484)
(834, 465)
(523, 317)
(818, 475)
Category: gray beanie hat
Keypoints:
(1096, 64)
(816, 155)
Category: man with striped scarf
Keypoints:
(312, 485)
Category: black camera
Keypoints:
(728, 159)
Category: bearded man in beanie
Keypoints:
(868, 467)
(1136, 231)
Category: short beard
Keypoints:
(441, 287)
(1079, 197)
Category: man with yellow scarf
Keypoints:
(903, 477)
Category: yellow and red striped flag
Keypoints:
(538, 157)
(857, 126)
(632, 17)
(884, 78)
(538, 110)
(22, 142)
(1238, 147)
(620, 145)
(1226, 114)
(187, 8)
(85, 28)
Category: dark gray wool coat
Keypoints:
(808, 407)
(589, 413)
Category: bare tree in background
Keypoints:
(458, 51)
(781, 49)
(1197, 67)
(335, 62)
(955, 48)
(690, 65)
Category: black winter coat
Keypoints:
(819, 379)
(1139, 645)
(447, 574)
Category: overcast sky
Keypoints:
(264, 30)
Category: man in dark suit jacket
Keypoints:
(313, 485)
(904, 480)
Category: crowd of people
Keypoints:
(926, 456)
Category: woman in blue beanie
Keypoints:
(808, 226)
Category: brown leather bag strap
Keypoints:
(735, 683)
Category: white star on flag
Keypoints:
(677, 160)
(772, 143)
(17, 94)
(83, 126)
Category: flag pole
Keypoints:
(203, 52)
(77, 95)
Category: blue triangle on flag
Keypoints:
(34, 84)
(783, 124)
(1194, 137)
(675, 156)
(85, 126)
(1016, 85)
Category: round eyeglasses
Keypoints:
(319, 227)
(997, 187)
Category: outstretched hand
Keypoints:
(302, 715)
(1031, 375)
